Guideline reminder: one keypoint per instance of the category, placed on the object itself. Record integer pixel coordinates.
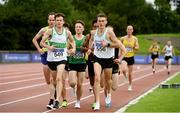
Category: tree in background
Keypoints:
(21, 19)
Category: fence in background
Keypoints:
(18, 57)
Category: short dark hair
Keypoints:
(81, 22)
(101, 15)
(51, 13)
(59, 15)
(94, 21)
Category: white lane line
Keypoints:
(35, 96)
(19, 100)
(136, 79)
(5, 83)
(23, 72)
(15, 89)
(43, 94)
(134, 101)
(19, 76)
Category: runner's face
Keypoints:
(169, 43)
(102, 21)
(95, 26)
(59, 21)
(79, 28)
(51, 20)
(129, 30)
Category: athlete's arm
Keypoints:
(85, 45)
(46, 35)
(163, 50)
(136, 46)
(90, 46)
(114, 41)
(150, 48)
(72, 43)
(34, 40)
(122, 52)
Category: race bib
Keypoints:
(79, 54)
(58, 53)
(100, 48)
(129, 49)
(168, 51)
(155, 53)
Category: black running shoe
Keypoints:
(50, 105)
(56, 104)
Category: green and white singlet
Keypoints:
(59, 41)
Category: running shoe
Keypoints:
(77, 105)
(56, 104)
(50, 105)
(93, 105)
(108, 101)
(97, 106)
(129, 88)
(64, 103)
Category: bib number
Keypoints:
(79, 54)
(129, 49)
(58, 53)
(100, 48)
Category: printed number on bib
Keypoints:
(79, 54)
(58, 53)
(100, 48)
(129, 49)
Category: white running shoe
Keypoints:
(77, 105)
(108, 101)
(130, 88)
(97, 106)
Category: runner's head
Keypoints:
(155, 42)
(79, 26)
(59, 19)
(169, 43)
(101, 20)
(51, 19)
(110, 28)
(129, 30)
(94, 24)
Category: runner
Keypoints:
(119, 53)
(65, 75)
(77, 63)
(89, 58)
(104, 42)
(43, 52)
(155, 51)
(57, 52)
(131, 44)
(169, 52)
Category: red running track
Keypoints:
(23, 89)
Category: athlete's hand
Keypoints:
(40, 51)
(89, 52)
(117, 61)
(104, 43)
(71, 51)
(51, 48)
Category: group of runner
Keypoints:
(99, 56)
(168, 52)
